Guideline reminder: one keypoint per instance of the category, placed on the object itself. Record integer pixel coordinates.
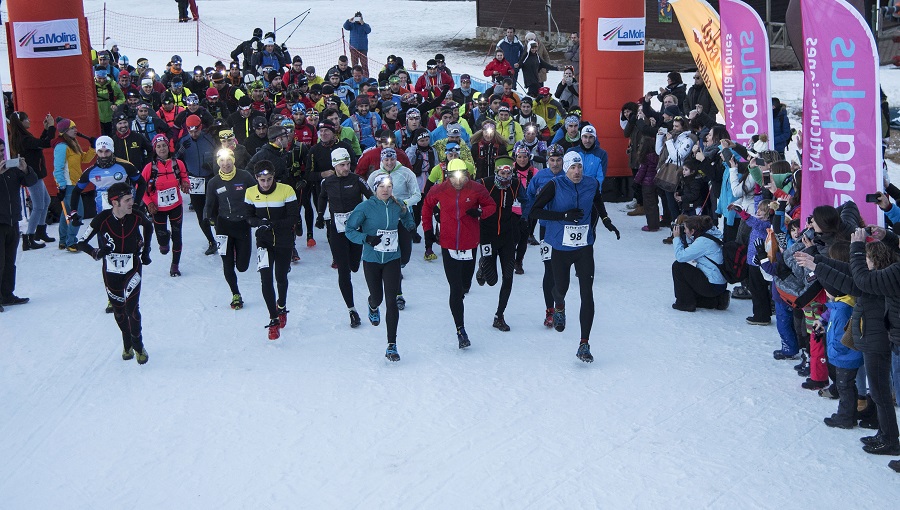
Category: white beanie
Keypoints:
(339, 155)
(570, 159)
(104, 142)
(110, 42)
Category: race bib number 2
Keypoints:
(222, 244)
(575, 236)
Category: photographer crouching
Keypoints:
(696, 276)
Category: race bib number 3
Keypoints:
(388, 242)
(222, 244)
(198, 185)
(340, 221)
(546, 251)
(167, 197)
(119, 263)
(575, 236)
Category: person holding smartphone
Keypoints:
(359, 41)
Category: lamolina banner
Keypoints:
(842, 158)
(700, 25)
(621, 34)
(45, 39)
(745, 73)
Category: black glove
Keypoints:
(145, 258)
(474, 212)
(612, 228)
(430, 237)
(301, 183)
(320, 222)
(264, 237)
(373, 240)
(101, 252)
(61, 193)
(573, 215)
(761, 254)
(75, 219)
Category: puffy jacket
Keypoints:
(500, 66)
(838, 315)
(359, 35)
(512, 51)
(199, 155)
(459, 231)
(371, 216)
(706, 253)
(782, 127)
(867, 322)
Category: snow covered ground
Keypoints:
(679, 410)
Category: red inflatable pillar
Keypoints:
(612, 71)
(50, 65)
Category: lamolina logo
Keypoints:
(621, 34)
(49, 42)
(43, 39)
(625, 37)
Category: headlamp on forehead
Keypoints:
(458, 175)
(224, 154)
(382, 180)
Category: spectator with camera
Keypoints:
(696, 277)
(359, 41)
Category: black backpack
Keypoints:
(734, 256)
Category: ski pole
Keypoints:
(292, 20)
(295, 29)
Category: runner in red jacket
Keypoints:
(462, 203)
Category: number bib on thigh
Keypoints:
(546, 251)
(340, 221)
(575, 236)
(262, 259)
(167, 197)
(487, 250)
(198, 185)
(222, 244)
(119, 263)
(388, 242)
(462, 254)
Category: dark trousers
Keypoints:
(173, 216)
(9, 244)
(692, 288)
(878, 369)
(383, 280)
(505, 251)
(583, 260)
(404, 239)
(124, 292)
(760, 293)
(279, 265)
(237, 250)
(845, 381)
(651, 205)
(306, 202)
(199, 202)
(521, 244)
(347, 256)
(459, 276)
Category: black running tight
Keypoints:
(583, 260)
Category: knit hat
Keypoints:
(381, 179)
(589, 130)
(388, 152)
(212, 93)
(672, 111)
(104, 142)
(570, 159)
(339, 155)
(192, 121)
(275, 132)
(64, 125)
(147, 81)
(159, 138)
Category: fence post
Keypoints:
(198, 37)
(104, 24)
(344, 41)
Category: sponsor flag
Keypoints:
(700, 24)
(745, 73)
(842, 158)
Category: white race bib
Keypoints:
(104, 201)
(222, 244)
(517, 207)
(198, 185)
(462, 254)
(262, 259)
(340, 221)
(487, 250)
(167, 197)
(119, 263)
(575, 236)
(388, 242)
(546, 251)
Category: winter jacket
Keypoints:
(406, 187)
(459, 231)
(440, 133)
(434, 84)
(510, 131)
(319, 160)
(568, 94)
(595, 160)
(571, 54)
(264, 59)
(705, 252)
(486, 153)
(198, 155)
(342, 194)
(694, 192)
(278, 208)
(679, 90)
(275, 155)
(359, 35)
(11, 182)
(782, 126)
(530, 65)
(698, 95)
(133, 147)
(503, 225)
(160, 189)
(375, 215)
(837, 316)
(108, 97)
(226, 200)
(758, 230)
(512, 51)
(33, 150)
(68, 164)
(884, 282)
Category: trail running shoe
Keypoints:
(584, 353)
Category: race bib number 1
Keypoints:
(198, 185)
(167, 197)
(546, 251)
(575, 236)
(340, 221)
(222, 244)
(388, 242)
(262, 259)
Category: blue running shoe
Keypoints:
(584, 353)
(559, 319)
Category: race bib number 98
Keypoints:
(575, 236)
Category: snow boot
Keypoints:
(877, 438)
(781, 355)
(273, 329)
(28, 243)
(41, 234)
(236, 302)
(740, 292)
(584, 352)
(883, 447)
(723, 300)
(803, 361)
(833, 422)
(811, 384)
(462, 337)
(391, 353)
(354, 319)
(559, 319)
(500, 324)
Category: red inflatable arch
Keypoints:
(50, 65)
(612, 71)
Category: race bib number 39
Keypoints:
(198, 185)
(340, 221)
(575, 236)
(119, 263)
(388, 242)
(167, 197)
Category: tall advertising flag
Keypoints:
(745, 73)
(700, 24)
(842, 158)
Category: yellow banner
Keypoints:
(700, 24)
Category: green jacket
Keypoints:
(108, 97)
